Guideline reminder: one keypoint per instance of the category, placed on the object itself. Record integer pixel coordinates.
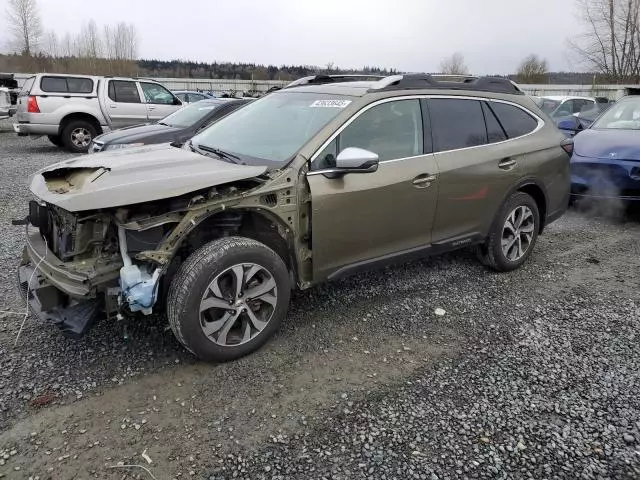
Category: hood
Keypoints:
(138, 133)
(610, 144)
(136, 175)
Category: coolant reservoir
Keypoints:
(138, 288)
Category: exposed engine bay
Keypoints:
(116, 262)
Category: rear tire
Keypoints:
(77, 135)
(55, 139)
(228, 298)
(513, 235)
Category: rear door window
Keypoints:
(66, 85)
(123, 91)
(456, 123)
(515, 121)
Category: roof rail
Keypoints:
(420, 80)
(322, 79)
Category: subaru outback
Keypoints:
(307, 184)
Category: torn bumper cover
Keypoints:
(55, 293)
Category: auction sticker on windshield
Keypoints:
(330, 103)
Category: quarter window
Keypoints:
(66, 85)
(456, 123)
(495, 132)
(392, 130)
(515, 121)
(122, 91)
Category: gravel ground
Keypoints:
(532, 374)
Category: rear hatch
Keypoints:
(23, 99)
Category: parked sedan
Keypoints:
(190, 96)
(606, 157)
(583, 120)
(559, 107)
(177, 127)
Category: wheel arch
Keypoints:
(255, 223)
(539, 194)
(70, 117)
(536, 190)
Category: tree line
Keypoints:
(609, 48)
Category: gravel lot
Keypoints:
(533, 374)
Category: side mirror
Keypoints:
(357, 160)
(176, 101)
(570, 124)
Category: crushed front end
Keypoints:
(70, 267)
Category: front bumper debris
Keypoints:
(68, 295)
(50, 304)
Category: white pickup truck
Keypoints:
(72, 109)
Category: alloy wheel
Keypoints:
(81, 137)
(238, 304)
(517, 233)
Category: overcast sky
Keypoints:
(410, 35)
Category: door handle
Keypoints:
(151, 107)
(112, 106)
(507, 164)
(424, 180)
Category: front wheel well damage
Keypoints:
(263, 227)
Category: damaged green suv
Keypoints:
(307, 184)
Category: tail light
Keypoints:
(567, 146)
(32, 105)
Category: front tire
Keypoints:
(77, 135)
(513, 235)
(228, 298)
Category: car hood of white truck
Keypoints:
(134, 175)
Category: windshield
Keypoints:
(274, 127)
(187, 116)
(547, 105)
(623, 115)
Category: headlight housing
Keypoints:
(118, 146)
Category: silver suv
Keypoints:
(72, 109)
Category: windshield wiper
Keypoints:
(220, 153)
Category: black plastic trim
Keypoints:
(409, 255)
(482, 84)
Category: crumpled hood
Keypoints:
(135, 175)
(608, 144)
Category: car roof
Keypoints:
(416, 82)
(189, 91)
(353, 89)
(560, 98)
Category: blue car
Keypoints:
(606, 157)
(580, 121)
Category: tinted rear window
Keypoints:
(515, 121)
(495, 131)
(66, 85)
(456, 123)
